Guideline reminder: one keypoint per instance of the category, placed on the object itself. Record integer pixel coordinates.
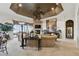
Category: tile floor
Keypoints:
(62, 48)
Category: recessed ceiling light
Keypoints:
(20, 5)
(52, 8)
(57, 3)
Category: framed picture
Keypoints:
(51, 24)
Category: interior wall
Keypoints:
(67, 14)
(77, 32)
(77, 21)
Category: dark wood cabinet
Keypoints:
(70, 29)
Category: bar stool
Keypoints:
(3, 45)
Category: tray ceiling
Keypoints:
(27, 9)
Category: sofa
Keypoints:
(46, 41)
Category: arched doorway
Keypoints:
(69, 29)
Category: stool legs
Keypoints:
(3, 48)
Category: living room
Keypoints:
(60, 24)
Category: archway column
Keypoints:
(77, 24)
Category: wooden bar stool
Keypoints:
(3, 45)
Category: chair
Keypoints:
(3, 45)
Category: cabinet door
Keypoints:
(69, 29)
(69, 32)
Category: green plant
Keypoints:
(6, 27)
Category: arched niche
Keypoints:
(70, 29)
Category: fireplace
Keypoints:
(38, 26)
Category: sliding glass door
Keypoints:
(26, 28)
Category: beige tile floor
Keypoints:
(65, 47)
